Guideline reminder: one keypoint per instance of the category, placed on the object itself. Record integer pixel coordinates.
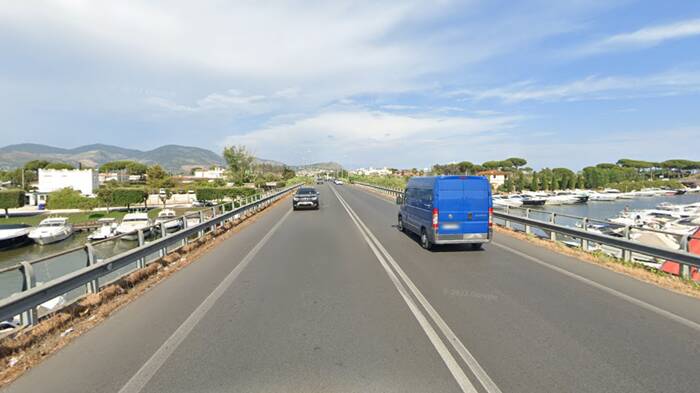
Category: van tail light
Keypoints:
(435, 219)
(490, 217)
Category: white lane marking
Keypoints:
(633, 300)
(457, 372)
(457, 344)
(139, 380)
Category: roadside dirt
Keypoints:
(25, 349)
(635, 270)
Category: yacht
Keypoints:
(131, 223)
(13, 235)
(169, 220)
(502, 201)
(602, 196)
(107, 229)
(51, 230)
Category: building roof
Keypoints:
(492, 172)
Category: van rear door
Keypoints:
(463, 206)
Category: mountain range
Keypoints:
(175, 158)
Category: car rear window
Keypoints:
(306, 191)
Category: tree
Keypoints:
(159, 181)
(35, 165)
(517, 162)
(288, 173)
(59, 165)
(131, 167)
(239, 162)
(534, 183)
(11, 199)
(128, 196)
(106, 193)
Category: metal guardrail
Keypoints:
(627, 246)
(25, 303)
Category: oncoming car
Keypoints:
(306, 197)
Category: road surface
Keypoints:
(338, 300)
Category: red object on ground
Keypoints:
(693, 248)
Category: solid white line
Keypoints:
(457, 372)
(148, 370)
(457, 344)
(633, 300)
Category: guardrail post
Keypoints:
(163, 234)
(184, 226)
(627, 254)
(30, 316)
(506, 222)
(213, 214)
(528, 229)
(683, 269)
(141, 263)
(584, 227)
(201, 220)
(94, 285)
(553, 220)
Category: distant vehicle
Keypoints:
(338, 182)
(447, 210)
(305, 197)
(319, 181)
(202, 203)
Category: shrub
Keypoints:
(218, 193)
(128, 196)
(67, 198)
(11, 199)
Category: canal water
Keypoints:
(603, 210)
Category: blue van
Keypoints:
(447, 210)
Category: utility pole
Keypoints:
(23, 179)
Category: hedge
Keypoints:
(128, 196)
(10, 199)
(218, 193)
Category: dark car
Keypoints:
(306, 197)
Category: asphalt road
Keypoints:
(338, 300)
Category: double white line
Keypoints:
(406, 288)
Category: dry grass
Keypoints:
(28, 347)
(636, 270)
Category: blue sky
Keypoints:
(405, 84)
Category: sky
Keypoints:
(366, 83)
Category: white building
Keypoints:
(496, 178)
(372, 171)
(214, 173)
(120, 176)
(83, 180)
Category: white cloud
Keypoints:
(592, 88)
(373, 137)
(646, 37)
(234, 100)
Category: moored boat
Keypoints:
(169, 220)
(14, 235)
(107, 229)
(130, 225)
(51, 230)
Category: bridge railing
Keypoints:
(72, 274)
(580, 233)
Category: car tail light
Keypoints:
(435, 218)
(490, 216)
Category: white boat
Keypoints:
(14, 235)
(51, 230)
(107, 229)
(602, 197)
(131, 223)
(626, 195)
(499, 200)
(169, 220)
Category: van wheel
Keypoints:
(400, 225)
(475, 246)
(424, 240)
